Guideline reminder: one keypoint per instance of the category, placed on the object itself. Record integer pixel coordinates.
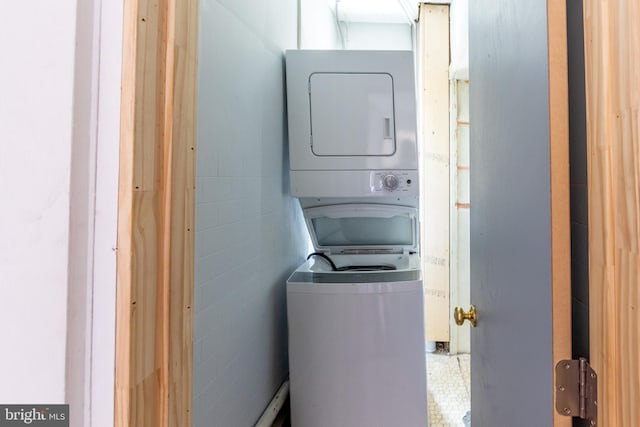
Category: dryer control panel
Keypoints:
(393, 181)
(358, 183)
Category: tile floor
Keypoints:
(448, 384)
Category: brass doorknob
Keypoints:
(460, 316)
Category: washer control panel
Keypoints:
(394, 181)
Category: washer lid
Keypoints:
(358, 228)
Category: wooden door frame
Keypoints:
(560, 188)
(154, 316)
(612, 91)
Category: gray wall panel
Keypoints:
(249, 231)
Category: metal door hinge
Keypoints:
(577, 390)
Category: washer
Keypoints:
(356, 339)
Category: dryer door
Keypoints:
(351, 110)
(352, 228)
(352, 114)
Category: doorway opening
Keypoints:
(445, 205)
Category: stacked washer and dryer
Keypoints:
(355, 308)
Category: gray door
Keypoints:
(520, 280)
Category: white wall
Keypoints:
(60, 83)
(365, 36)
(249, 232)
(459, 39)
(105, 213)
(318, 29)
(37, 41)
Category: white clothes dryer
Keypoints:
(352, 123)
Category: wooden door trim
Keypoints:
(154, 320)
(560, 188)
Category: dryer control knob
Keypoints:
(390, 182)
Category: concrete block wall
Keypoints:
(250, 234)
